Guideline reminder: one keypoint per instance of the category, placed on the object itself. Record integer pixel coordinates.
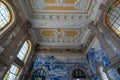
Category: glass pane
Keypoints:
(11, 76)
(14, 69)
(113, 17)
(12, 73)
(4, 15)
(40, 73)
(23, 51)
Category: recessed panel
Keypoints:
(60, 33)
(60, 6)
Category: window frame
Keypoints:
(42, 74)
(78, 74)
(24, 60)
(16, 73)
(27, 51)
(107, 17)
(9, 15)
(12, 17)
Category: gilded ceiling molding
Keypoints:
(60, 6)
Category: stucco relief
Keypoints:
(61, 33)
(59, 2)
(76, 6)
(81, 4)
(38, 4)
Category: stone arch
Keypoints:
(40, 67)
(104, 9)
(112, 17)
(79, 68)
(12, 16)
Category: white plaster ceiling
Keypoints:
(60, 14)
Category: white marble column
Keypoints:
(101, 72)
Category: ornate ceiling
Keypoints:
(60, 22)
(60, 6)
(60, 36)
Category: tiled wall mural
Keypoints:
(97, 54)
(57, 67)
(59, 78)
(95, 78)
(113, 74)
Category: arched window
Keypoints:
(39, 74)
(6, 16)
(113, 17)
(25, 50)
(12, 73)
(78, 74)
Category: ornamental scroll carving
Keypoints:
(81, 4)
(60, 2)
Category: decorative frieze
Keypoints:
(61, 50)
(55, 6)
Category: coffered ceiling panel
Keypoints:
(61, 36)
(60, 22)
(60, 6)
(60, 33)
(61, 12)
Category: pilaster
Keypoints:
(110, 53)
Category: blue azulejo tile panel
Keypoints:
(113, 74)
(57, 67)
(95, 55)
(95, 78)
(59, 79)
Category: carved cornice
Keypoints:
(61, 50)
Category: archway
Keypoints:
(78, 74)
(39, 74)
(7, 15)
